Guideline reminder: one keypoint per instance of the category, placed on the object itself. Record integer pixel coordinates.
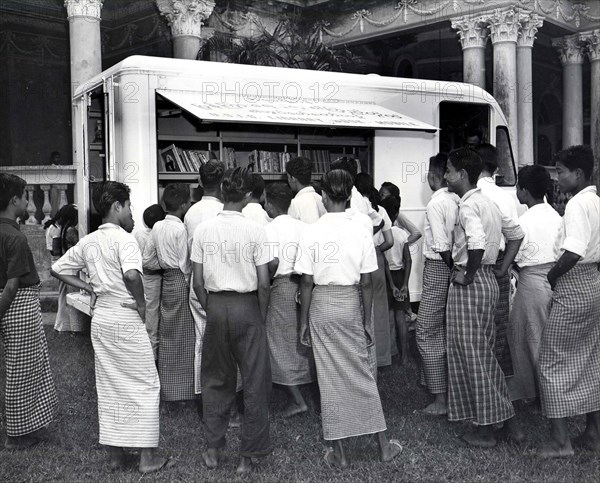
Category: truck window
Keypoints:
(463, 124)
(507, 175)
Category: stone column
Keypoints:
(84, 40)
(504, 30)
(186, 18)
(47, 206)
(571, 57)
(592, 41)
(530, 22)
(31, 208)
(473, 34)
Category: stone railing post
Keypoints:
(47, 206)
(31, 208)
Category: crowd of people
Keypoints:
(258, 284)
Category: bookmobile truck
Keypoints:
(148, 121)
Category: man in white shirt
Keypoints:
(291, 362)
(306, 205)
(569, 364)
(254, 210)
(476, 384)
(508, 207)
(440, 217)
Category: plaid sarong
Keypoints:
(569, 366)
(292, 363)
(30, 395)
(126, 379)
(501, 318)
(528, 317)
(476, 386)
(350, 403)
(431, 325)
(176, 339)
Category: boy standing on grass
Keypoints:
(570, 352)
(254, 210)
(169, 250)
(291, 362)
(476, 385)
(30, 397)
(440, 217)
(126, 379)
(306, 205)
(152, 278)
(231, 279)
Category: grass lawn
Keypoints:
(432, 451)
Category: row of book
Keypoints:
(321, 159)
(173, 158)
(269, 161)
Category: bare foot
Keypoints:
(119, 461)
(436, 408)
(235, 421)
(245, 466)
(155, 463)
(211, 458)
(587, 443)
(391, 450)
(334, 460)
(21, 442)
(294, 409)
(478, 440)
(510, 434)
(553, 449)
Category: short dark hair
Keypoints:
(236, 184)
(438, 163)
(152, 214)
(279, 195)
(374, 198)
(577, 157)
(300, 168)
(211, 173)
(391, 205)
(364, 183)
(534, 179)
(467, 159)
(10, 185)
(392, 188)
(489, 157)
(347, 164)
(106, 193)
(175, 195)
(258, 185)
(337, 183)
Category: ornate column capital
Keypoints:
(530, 22)
(473, 31)
(84, 8)
(570, 48)
(186, 17)
(503, 24)
(591, 42)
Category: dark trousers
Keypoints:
(236, 337)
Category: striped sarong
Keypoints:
(569, 366)
(476, 386)
(350, 403)
(177, 339)
(431, 325)
(126, 379)
(30, 395)
(528, 316)
(501, 318)
(152, 290)
(292, 363)
(381, 313)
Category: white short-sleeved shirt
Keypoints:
(307, 205)
(170, 240)
(52, 231)
(544, 233)
(205, 209)
(230, 247)
(255, 212)
(362, 219)
(106, 255)
(335, 251)
(504, 201)
(481, 226)
(387, 225)
(360, 204)
(142, 236)
(440, 218)
(283, 235)
(395, 255)
(582, 225)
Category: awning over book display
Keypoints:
(297, 111)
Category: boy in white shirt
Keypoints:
(306, 205)
(254, 210)
(291, 362)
